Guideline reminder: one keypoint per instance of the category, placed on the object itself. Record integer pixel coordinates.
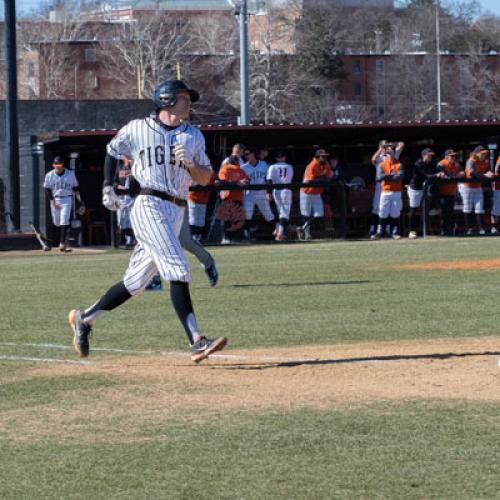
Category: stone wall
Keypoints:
(39, 118)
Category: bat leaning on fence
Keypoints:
(41, 239)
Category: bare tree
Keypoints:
(49, 47)
(145, 50)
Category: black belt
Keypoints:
(164, 196)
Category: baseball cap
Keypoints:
(57, 162)
(450, 152)
(480, 149)
(427, 151)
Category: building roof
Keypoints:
(331, 125)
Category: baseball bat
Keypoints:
(40, 239)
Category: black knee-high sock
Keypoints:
(469, 220)
(394, 225)
(113, 298)
(62, 235)
(411, 218)
(181, 300)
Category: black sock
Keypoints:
(62, 235)
(181, 300)
(394, 225)
(113, 298)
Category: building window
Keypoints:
(90, 55)
(379, 66)
(356, 67)
(357, 90)
(91, 80)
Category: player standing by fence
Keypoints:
(281, 172)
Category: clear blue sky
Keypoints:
(491, 5)
(26, 5)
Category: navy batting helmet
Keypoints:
(165, 95)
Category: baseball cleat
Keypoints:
(212, 274)
(81, 332)
(203, 347)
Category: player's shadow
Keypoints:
(322, 362)
(306, 283)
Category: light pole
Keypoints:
(11, 118)
(438, 64)
(241, 11)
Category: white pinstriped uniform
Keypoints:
(281, 173)
(62, 192)
(156, 222)
(257, 175)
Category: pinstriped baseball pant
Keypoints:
(156, 224)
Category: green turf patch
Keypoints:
(268, 295)
(40, 391)
(409, 450)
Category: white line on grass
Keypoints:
(240, 357)
(44, 360)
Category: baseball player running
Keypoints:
(60, 184)
(281, 172)
(167, 154)
(127, 191)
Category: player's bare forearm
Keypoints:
(200, 174)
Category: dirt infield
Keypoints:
(151, 389)
(472, 264)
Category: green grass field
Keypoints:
(62, 435)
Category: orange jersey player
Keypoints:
(311, 202)
(197, 209)
(390, 173)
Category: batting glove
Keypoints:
(110, 199)
(182, 155)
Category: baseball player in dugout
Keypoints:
(281, 172)
(378, 157)
(448, 168)
(124, 188)
(495, 211)
(60, 185)
(167, 154)
(390, 174)
(476, 169)
(237, 150)
(256, 171)
(311, 202)
(424, 169)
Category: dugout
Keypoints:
(353, 143)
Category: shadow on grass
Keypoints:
(322, 362)
(307, 283)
